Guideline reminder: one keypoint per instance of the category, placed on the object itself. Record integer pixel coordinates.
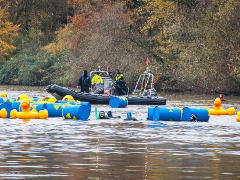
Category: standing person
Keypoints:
(120, 87)
(119, 75)
(84, 82)
(221, 97)
(97, 79)
(97, 84)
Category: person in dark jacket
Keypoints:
(84, 82)
(120, 87)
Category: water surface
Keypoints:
(119, 149)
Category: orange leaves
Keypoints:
(80, 22)
(68, 37)
(82, 13)
(84, 10)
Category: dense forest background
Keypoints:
(193, 45)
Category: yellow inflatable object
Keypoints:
(26, 113)
(21, 97)
(68, 98)
(3, 113)
(3, 95)
(40, 101)
(52, 100)
(238, 117)
(218, 110)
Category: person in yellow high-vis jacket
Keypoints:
(97, 79)
(119, 75)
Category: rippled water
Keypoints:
(119, 149)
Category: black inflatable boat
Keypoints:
(59, 92)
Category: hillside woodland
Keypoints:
(193, 45)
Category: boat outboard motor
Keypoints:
(99, 90)
(153, 92)
(150, 92)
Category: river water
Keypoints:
(119, 149)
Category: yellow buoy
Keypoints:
(52, 100)
(26, 113)
(238, 117)
(3, 113)
(21, 97)
(68, 98)
(218, 110)
(3, 95)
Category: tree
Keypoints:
(8, 33)
(44, 15)
(197, 40)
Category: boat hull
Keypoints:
(59, 92)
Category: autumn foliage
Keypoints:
(8, 33)
(197, 41)
(193, 44)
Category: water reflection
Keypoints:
(116, 149)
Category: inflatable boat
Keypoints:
(59, 92)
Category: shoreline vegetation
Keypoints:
(193, 46)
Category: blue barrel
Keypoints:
(150, 113)
(37, 106)
(153, 113)
(8, 106)
(156, 114)
(118, 102)
(3, 100)
(75, 103)
(81, 112)
(164, 114)
(170, 114)
(55, 109)
(195, 114)
(16, 105)
(88, 104)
